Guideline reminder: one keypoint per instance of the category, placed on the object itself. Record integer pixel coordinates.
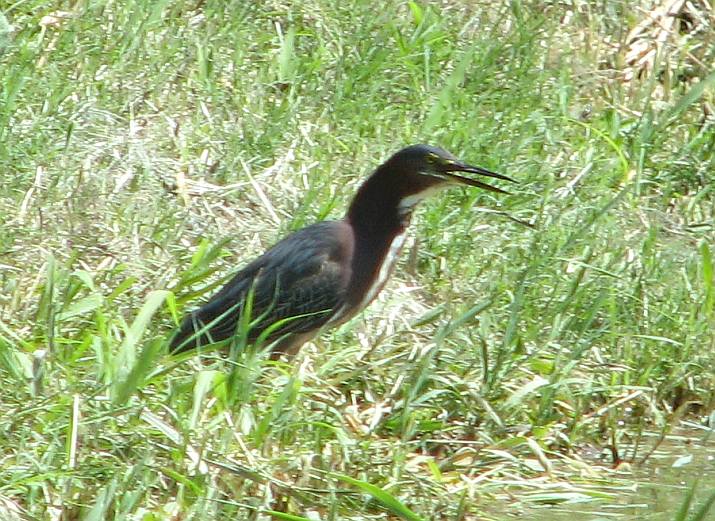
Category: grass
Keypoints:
(147, 149)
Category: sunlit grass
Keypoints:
(148, 149)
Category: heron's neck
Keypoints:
(379, 222)
(380, 206)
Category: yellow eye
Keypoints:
(432, 158)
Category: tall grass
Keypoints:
(148, 149)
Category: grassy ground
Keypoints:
(148, 148)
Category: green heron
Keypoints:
(322, 275)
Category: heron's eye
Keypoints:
(431, 158)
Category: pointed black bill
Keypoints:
(460, 167)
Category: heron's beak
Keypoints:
(449, 174)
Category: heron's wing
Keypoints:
(295, 287)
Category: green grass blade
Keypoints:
(129, 370)
(205, 382)
(682, 513)
(383, 497)
(287, 517)
(701, 514)
(707, 271)
(689, 98)
(103, 502)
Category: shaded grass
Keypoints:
(154, 146)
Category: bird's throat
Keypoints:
(378, 218)
(377, 248)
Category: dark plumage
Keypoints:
(325, 273)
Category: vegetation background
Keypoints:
(148, 148)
